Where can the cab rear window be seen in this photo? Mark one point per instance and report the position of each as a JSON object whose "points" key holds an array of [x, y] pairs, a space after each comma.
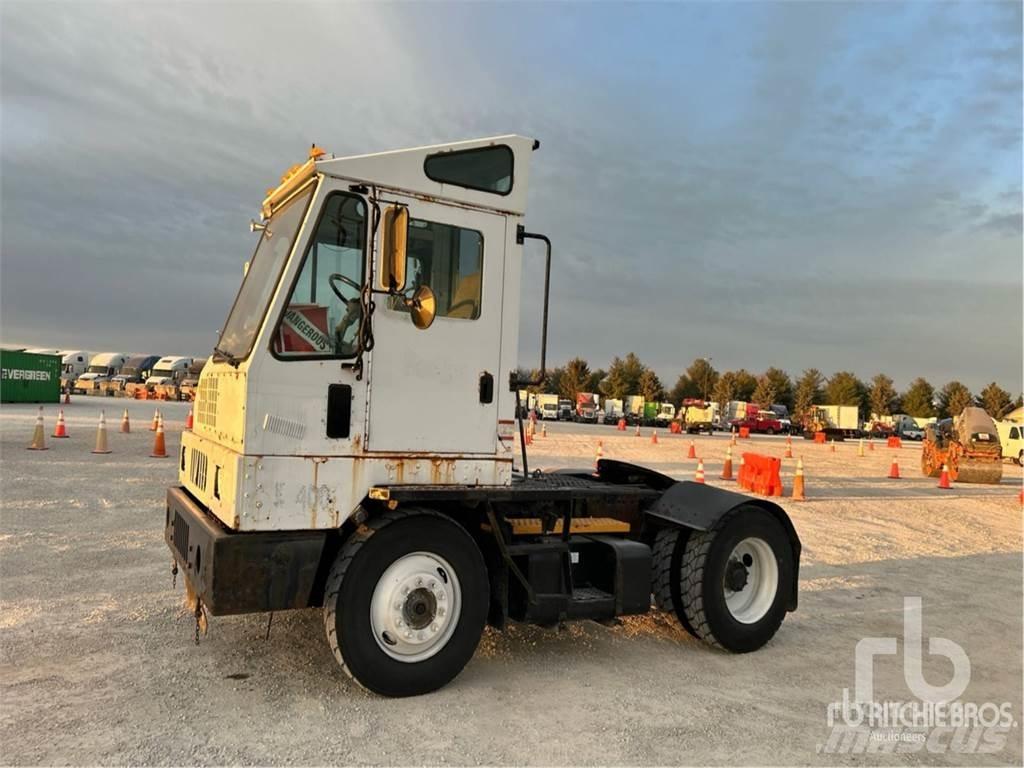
{"points": [[488, 169]]}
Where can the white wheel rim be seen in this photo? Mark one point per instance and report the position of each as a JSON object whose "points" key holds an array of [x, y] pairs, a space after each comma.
{"points": [[749, 603], [415, 607]]}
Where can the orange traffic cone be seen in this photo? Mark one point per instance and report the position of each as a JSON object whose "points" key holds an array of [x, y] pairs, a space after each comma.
{"points": [[833, 446], [789, 447], [38, 435], [860, 447], [734, 435], [944, 478], [692, 453], [126, 425], [188, 419], [727, 467], [61, 430], [894, 470], [654, 437], [621, 426], [699, 476], [638, 430], [101, 436], [67, 396], [156, 420], [543, 427], [160, 449], [798, 482], [871, 444]]}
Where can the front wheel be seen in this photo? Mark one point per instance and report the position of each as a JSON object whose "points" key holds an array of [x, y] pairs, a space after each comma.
{"points": [[406, 602], [735, 580]]}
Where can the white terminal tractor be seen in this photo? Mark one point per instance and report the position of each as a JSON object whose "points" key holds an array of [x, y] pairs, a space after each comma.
{"points": [[353, 446]]}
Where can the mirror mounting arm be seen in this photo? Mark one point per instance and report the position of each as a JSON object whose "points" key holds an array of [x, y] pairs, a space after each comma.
{"points": [[515, 382]]}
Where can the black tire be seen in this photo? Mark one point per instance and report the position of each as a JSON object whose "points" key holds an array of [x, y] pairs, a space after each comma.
{"points": [[769, 431], [347, 597], [702, 573], [667, 554]]}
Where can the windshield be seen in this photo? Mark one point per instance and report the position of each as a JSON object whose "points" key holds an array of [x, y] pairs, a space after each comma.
{"points": [[97, 369], [275, 243], [162, 372]]}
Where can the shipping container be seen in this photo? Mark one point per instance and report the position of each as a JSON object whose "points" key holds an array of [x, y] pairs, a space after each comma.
{"points": [[28, 378]]}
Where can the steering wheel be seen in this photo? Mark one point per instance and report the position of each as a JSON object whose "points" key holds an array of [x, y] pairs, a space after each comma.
{"points": [[345, 279], [353, 313]]}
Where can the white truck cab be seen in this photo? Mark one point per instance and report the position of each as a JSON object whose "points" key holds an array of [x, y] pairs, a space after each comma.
{"points": [[353, 441], [168, 370], [101, 368], [72, 365]]}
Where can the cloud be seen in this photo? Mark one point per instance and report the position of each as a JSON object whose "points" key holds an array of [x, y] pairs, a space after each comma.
{"points": [[704, 170]]}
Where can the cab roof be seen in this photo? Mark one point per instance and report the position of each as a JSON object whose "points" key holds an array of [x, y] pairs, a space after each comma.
{"points": [[404, 170]]}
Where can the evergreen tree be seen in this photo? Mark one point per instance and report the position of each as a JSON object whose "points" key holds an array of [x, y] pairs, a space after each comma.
{"points": [[953, 398], [650, 386], [995, 400], [918, 399], [882, 397], [808, 392]]}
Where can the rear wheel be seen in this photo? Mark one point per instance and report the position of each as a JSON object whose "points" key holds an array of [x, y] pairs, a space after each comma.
{"points": [[734, 580], [406, 602], [666, 557]]}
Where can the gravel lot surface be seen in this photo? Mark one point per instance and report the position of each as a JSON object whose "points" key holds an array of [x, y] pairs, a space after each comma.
{"points": [[98, 665]]}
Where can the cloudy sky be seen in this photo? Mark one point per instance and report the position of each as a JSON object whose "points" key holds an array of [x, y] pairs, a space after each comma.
{"points": [[821, 184]]}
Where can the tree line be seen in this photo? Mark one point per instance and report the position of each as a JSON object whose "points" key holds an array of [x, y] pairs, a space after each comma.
{"points": [[629, 376]]}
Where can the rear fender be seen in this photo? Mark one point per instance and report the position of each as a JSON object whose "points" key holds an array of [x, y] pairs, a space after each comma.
{"points": [[696, 506]]}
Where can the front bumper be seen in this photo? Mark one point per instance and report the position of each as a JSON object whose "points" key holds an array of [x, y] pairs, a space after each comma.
{"points": [[243, 572]]}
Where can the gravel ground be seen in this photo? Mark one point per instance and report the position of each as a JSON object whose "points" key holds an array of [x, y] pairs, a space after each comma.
{"points": [[98, 665]]}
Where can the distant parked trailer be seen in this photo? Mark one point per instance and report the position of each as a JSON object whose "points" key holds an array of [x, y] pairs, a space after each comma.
{"points": [[29, 378]]}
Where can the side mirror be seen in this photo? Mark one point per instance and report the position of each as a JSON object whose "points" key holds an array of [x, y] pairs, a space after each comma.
{"points": [[422, 307], [394, 236]]}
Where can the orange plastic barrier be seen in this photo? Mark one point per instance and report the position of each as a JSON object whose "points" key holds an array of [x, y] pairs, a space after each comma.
{"points": [[744, 431], [894, 442], [675, 428], [820, 437], [760, 474]]}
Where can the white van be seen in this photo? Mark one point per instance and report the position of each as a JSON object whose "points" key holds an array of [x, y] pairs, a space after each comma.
{"points": [[1011, 436], [102, 367]]}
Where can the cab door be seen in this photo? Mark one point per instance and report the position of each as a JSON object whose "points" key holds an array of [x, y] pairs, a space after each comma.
{"points": [[435, 390]]}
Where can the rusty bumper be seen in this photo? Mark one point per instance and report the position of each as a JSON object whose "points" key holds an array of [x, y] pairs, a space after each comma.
{"points": [[235, 572]]}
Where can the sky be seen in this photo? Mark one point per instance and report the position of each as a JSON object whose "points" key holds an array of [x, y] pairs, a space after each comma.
{"points": [[835, 185]]}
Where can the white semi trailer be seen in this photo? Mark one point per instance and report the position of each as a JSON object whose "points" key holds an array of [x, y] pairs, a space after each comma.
{"points": [[353, 441]]}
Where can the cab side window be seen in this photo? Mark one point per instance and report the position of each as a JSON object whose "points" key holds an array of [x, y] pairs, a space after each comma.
{"points": [[324, 311], [449, 260], [1014, 433]]}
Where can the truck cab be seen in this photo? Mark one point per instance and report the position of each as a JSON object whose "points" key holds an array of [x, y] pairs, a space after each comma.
{"points": [[72, 365], [353, 443], [135, 371], [190, 383], [101, 368]]}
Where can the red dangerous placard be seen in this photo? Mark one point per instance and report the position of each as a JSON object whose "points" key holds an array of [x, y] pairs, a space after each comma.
{"points": [[304, 331]]}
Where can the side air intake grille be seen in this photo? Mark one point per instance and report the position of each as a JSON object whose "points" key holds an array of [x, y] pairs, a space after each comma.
{"points": [[206, 402], [197, 471]]}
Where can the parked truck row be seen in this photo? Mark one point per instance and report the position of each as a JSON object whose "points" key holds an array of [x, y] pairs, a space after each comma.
{"points": [[117, 374]]}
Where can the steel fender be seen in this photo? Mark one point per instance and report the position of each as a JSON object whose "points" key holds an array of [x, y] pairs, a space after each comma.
{"points": [[624, 473], [698, 506]]}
